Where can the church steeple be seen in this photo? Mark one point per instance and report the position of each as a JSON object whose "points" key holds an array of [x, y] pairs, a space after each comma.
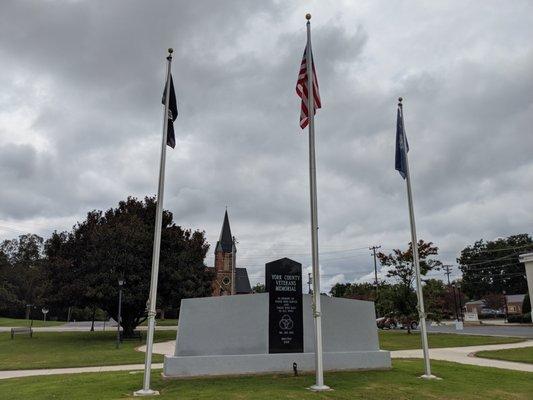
{"points": [[228, 278], [225, 241]]}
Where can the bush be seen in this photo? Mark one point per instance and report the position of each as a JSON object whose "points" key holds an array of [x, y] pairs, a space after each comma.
{"points": [[526, 305], [520, 318], [514, 318], [527, 318]]}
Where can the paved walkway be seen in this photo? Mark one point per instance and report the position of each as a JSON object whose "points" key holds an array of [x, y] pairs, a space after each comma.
{"points": [[462, 355], [61, 371], [164, 348], [465, 355]]}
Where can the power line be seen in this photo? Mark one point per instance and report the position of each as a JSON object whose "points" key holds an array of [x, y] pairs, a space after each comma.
{"points": [[489, 267], [501, 249], [273, 253]]}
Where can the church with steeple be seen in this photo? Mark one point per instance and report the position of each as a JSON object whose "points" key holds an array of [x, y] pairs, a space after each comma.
{"points": [[228, 278]]}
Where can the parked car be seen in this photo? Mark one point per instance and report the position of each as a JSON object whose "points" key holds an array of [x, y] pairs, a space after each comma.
{"points": [[488, 313], [404, 323], [386, 323], [391, 322]]}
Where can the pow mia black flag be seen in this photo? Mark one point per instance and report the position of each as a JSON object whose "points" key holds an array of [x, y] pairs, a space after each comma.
{"points": [[172, 113]]}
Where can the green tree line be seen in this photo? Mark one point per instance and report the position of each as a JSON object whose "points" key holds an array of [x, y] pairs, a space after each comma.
{"points": [[81, 268]]}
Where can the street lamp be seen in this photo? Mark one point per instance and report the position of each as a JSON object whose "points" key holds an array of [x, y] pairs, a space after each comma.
{"points": [[121, 283]]}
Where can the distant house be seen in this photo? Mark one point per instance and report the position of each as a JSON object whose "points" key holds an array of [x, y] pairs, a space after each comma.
{"points": [[514, 303], [475, 306]]}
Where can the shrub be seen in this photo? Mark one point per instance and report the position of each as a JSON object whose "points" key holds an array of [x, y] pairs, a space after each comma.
{"points": [[520, 318], [514, 318], [527, 318], [526, 305]]}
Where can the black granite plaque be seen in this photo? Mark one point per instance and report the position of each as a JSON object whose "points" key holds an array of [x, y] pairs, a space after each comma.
{"points": [[285, 317]]}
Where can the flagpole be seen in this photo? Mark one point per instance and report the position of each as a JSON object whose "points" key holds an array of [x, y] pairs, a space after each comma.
{"points": [[416, 261], [146, 391], [319, 369]]}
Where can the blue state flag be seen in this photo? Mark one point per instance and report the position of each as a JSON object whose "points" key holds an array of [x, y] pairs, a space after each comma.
{"points": [[402, 147]]}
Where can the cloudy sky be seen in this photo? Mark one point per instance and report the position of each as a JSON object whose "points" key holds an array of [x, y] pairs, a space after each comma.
{"points": [[81, 120]]}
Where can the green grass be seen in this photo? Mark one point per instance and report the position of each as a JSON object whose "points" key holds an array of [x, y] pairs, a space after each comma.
{"points": [[14, 322], [163, 322], [77, 349], [524, 355], [400, 340], [460, 382], [71, 349]]}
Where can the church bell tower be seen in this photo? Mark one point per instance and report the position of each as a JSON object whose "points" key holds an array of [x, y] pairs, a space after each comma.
{"points": [[225, 254]]}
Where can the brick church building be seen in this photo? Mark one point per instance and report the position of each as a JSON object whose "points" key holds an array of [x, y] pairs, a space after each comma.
{"points": [[226, 266]]}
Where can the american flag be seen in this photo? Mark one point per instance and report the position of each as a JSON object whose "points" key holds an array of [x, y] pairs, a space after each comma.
{"points": [[301, 90]]}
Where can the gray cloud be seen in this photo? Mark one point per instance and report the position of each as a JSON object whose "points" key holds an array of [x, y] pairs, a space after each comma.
{"points": [[80, 120]]}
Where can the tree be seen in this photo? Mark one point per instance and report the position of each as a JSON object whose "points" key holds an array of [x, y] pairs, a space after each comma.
{"points": [[339, 289], [495, 301], [21, 273], [386, 299], [400, 262], [259, 288], [8, 299], [441, 300], [493, 266], [401, 268], [359, 291], [86, 263]]}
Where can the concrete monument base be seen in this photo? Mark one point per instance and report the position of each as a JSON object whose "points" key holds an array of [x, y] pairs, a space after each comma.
{"points": [[229, 336], [264, 363]]}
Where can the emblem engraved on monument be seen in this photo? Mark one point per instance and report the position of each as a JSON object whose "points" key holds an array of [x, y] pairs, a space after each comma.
{"points": [[284, 285], [286, 322]]}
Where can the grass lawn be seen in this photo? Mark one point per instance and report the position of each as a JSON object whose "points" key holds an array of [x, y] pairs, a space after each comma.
{"points": [[460, 382], [400, 340], [524, 354], [77, 349], [13, 322], [71, 349]]}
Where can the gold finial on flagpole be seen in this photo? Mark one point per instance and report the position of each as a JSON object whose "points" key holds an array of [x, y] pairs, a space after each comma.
{"points": [[171, 50], [400, 99], [308, 16]]}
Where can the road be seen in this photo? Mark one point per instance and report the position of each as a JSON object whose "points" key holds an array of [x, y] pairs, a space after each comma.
{"points": [[85, 326], [487, 330]]}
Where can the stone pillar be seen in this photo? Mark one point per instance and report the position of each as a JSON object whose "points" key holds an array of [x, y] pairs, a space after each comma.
{"points": [[527, 259]]}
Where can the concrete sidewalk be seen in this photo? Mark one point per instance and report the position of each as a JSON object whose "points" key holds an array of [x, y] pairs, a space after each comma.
{"points": [[466, 355], [164, 348], [461, 355], [61, 371]]}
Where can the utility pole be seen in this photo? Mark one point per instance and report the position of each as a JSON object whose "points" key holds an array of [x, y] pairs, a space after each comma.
{"points": [[459, 295], [309, 282], [448, 269], [374, 248]]}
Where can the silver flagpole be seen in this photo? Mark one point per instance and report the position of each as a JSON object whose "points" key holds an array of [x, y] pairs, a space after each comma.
{"points": [[416, 262], [319, 385], [146, 391]]}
